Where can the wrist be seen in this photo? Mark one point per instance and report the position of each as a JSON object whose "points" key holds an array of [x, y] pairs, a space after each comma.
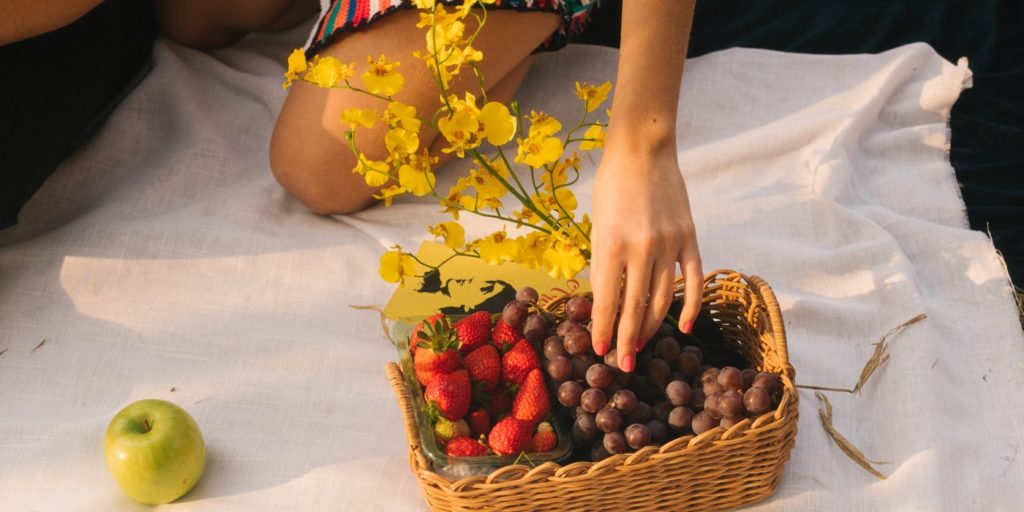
{"points": [[652, 136]]}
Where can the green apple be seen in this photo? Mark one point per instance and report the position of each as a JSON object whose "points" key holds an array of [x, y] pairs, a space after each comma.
{"points": [[155, 451]]}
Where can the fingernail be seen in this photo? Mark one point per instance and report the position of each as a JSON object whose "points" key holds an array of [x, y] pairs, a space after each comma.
{"points": [[687, 326], [628, 362], [601, 349]]}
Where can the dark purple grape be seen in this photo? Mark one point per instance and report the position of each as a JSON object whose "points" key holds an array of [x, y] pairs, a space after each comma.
{"points": [[612, 388], [642, 413], [599, 453], [515, 313], [580, 364], [709, 375], [611, 358], [568, 325], [702, 422], [728, 421], [578, 309], [608, 419], [712, 386], [667, 349], [624, 400], [577, 342], [768, 381], [659, 430], [657, 371], [697, 402], [553, 347], [688, 364], [569, 393], [624, 379], [535, 328], [585, 428], [679, 419], [730, 403], [661, 410], [748, 378], [678, 392], [614, 442], [757, 401], [695, 350], [638, 436], [665, 330], [527, 294], [711, 405], [592, 400], [730, 378], [600, 375], [643, 360], [559, 368]]}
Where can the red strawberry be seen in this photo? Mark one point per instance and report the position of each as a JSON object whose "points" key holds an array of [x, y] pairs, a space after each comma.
{"points": [[504, 336], [545, 439], [438, 352], [499, 402], [479, 422], [465, 447], [517, 362], [450, 393], [474, 330], [414, 338], [484, 366], [531, 403], [510, 436]]}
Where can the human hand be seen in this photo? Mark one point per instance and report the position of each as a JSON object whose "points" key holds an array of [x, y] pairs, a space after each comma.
{"points": [[643, 228]]}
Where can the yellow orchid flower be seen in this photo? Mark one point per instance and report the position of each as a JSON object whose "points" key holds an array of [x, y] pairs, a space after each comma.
{"points": [[542, 124], [592, 96], [382, 78], [396, 265], [328, 72], [296, 65], [595, 136], [532, 253], [400, 143], [418, 181], [400, 114], [499, 125], [453, 233], [538, 150], [389, 193], [563, 259], [460, 131], [375, 173], [358, 117], [498, 248]]}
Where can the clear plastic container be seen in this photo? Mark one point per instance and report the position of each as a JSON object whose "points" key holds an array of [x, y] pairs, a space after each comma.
{"points": [[455, 468]]}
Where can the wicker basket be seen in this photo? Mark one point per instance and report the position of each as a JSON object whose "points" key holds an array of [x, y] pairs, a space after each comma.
{"points": [[717, 470]]}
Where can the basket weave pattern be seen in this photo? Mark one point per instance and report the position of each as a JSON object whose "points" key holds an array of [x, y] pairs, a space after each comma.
{"points": [[717, 470]]}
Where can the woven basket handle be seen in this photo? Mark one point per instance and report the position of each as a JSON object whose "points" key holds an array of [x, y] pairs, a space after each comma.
{"points": [[405, 404], [771, 304]]}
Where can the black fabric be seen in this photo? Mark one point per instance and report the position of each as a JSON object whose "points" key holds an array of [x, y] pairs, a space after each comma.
{"points": [[987, 122], [57, 88]]}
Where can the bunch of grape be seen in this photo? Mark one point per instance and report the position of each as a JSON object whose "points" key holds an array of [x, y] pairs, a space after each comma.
{"points": [[674, 391]]}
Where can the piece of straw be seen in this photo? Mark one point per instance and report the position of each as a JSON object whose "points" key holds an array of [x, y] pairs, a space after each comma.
{"points": [[851, 451], [383, 319]]}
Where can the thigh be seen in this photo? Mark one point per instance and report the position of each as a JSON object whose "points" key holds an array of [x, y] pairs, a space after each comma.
{"points": [[308, 154]]}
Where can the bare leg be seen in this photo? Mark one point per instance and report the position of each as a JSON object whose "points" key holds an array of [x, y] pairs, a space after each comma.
{"points": [[307, 151], [209, 24]]}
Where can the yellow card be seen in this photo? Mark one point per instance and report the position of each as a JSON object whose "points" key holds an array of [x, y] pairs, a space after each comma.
{"points": [[464, 285]]}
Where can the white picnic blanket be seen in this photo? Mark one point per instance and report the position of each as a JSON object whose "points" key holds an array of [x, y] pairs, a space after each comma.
{"points": [[164, 261]]}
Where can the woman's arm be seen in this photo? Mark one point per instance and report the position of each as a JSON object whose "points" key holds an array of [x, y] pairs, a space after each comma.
{"points": [[22, 19], [642, 221]]}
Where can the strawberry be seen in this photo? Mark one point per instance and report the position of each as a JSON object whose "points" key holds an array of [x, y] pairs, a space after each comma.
{"points": [[504, 336], [446, 429], [479, 422], [510, 436], [517, 362], [450, 393], [465, 447], [545, 439], [414, 338], [474, 330], [438, 351], [531, 403], [484, 366], [499, 402]]}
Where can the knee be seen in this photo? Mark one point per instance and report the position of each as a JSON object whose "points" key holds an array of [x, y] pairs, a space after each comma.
{"points": [[319, 181]]}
